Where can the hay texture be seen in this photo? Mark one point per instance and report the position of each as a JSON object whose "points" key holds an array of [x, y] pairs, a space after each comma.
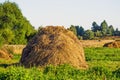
{"points": [[53, 45], [14, 49], [5, 55], [115, 44]]}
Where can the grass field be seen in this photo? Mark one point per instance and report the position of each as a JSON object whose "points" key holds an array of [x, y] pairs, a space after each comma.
{"points": [[104, 64]]}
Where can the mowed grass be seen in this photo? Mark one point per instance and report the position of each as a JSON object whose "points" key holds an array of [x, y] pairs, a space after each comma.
{"points": [[104, 63]]}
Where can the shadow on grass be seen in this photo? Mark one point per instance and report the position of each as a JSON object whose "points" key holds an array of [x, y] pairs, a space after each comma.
{"points": [[7, 65]]}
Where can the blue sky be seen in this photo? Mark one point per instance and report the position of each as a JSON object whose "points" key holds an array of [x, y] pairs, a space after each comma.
{"points": [[70, 12]]}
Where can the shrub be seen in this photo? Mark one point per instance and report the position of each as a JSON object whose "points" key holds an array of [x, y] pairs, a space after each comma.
{"points": [[117, 73]]}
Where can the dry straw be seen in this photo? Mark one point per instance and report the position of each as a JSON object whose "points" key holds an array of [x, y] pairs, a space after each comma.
{"points": [[54, 45], [115, 44]]}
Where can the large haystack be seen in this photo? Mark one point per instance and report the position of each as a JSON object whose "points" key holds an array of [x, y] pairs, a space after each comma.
{"points": [[53, 45], [115, 44]]}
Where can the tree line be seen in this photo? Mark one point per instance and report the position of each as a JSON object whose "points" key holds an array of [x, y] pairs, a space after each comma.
{"points": [[16, 29], [96, 31]]}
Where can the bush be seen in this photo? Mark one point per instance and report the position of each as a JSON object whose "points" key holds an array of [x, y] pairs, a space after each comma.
{"points": [[20, 73], [117, 73], [14, 27]]}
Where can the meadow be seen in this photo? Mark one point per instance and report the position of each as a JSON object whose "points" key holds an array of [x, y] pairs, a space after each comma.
{"points": [[104, 64]]}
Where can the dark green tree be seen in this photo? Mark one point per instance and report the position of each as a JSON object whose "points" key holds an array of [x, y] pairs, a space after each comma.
{"points": [[8, 35], [73, 29], [110, 31], [80, 30], [104, 28], [88, 35], [117, 32], [95, 27], [98, 34], [14, 27]]}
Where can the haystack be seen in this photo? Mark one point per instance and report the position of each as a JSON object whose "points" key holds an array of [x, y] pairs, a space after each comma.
{"points": [[115, 44], [5, 55], [53, 45], [14, 49]]}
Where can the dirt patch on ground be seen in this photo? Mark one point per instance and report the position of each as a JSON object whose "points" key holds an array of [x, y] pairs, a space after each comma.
{"points": [[115, 44], [56, 46]]}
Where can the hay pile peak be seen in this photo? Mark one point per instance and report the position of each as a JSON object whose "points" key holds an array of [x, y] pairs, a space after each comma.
{"points": [[53, 45]]}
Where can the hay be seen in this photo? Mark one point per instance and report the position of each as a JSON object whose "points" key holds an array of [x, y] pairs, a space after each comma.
{"points": [[5, 55], [14, 49], [94, 43], [5, 52], [56, 46], [115, 44]]}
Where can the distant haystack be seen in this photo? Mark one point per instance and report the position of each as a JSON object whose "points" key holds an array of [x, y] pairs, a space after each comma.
{"points": [[14, 49], [115, 44], [54, 45], [5, 55]]}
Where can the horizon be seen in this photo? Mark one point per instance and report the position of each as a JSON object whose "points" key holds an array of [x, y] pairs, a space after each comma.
{"points": [[72, 12]]}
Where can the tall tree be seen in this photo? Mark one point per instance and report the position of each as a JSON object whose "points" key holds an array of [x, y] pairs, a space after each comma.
{"points": [[73, 29], [104, 28], [88, 34], [98, 34], [110, 30], [14, 27], [80, 30], [95, 27], [117, 32]]}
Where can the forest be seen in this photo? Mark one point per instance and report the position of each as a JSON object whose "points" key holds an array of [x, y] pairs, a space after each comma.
{"points": [[96, 31]]}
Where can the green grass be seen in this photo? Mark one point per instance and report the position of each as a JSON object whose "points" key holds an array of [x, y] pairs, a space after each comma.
{"points": [[105, 57], [104, 63], [109, 54]]}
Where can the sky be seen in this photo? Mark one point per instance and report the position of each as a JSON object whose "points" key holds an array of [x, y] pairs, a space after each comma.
{"points": [[70, 12]]}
